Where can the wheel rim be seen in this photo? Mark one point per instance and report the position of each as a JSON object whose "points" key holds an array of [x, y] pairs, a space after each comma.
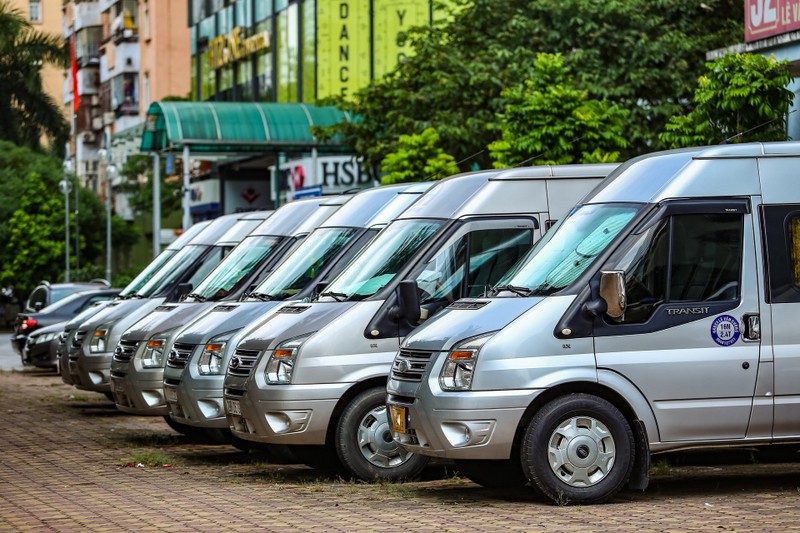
{"points": [[581, 451], [375, 440]]}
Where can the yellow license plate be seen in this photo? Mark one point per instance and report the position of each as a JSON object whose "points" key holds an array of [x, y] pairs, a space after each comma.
{"points": [[397, 418]]}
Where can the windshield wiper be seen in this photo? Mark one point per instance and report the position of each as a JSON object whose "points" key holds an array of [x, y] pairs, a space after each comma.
{"points": [[519, 291], [198, 297], [260, 296], [338, 296]]}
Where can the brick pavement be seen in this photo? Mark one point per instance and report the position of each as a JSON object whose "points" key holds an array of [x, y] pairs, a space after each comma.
{"points": [[62, 468]]}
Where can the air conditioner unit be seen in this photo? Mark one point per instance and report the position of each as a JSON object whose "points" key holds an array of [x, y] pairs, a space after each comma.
{"points": [[95, 100], [97, 123], [89, 137]]}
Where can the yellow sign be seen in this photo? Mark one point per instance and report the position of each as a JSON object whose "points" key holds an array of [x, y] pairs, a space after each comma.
{"points": [[343, 62], [392, 18], [225, 49]]}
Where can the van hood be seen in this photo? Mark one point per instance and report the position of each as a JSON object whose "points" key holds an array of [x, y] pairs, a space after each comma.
{"points": [[223, 318], [466, 318], [163, 318], [291, 321], [119, 309], [86, 314]]}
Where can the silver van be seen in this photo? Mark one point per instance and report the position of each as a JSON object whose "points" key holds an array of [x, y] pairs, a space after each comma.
{"points": [[65, 338], [95, 339], [137, 367], [659, 315], [314, 374], [195, 371]]}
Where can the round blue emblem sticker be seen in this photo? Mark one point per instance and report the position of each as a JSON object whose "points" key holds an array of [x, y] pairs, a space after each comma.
{"points": [[725, 330]]}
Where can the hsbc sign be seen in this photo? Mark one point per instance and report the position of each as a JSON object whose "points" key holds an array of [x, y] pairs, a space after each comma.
{"points": [[765, 18], [333, 173]]}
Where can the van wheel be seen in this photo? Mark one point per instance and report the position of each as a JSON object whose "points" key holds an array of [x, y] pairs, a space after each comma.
{"points": [[318, 457], [364, 442], [494, 474], [578, 449]]}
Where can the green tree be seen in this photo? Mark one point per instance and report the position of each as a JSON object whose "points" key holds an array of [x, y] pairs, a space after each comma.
{"points": [[27, 112], [418, 158], [549, 121], [741, 97], [640, 55], [138, 174], [32, 236]]}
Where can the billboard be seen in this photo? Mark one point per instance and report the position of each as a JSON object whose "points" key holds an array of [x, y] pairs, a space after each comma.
{"points": [[392, 18], [343, 47], [765, 18]]}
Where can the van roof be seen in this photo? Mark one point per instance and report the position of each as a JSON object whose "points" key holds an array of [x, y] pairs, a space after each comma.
{"points": [[370, 206], [725, 170]]}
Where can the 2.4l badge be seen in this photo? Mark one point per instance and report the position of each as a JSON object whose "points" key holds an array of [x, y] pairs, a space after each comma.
{"points": [[725, 330]]}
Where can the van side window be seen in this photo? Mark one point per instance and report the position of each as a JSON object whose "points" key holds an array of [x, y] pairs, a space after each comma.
{"points": [[780, 226], [687, 258]]}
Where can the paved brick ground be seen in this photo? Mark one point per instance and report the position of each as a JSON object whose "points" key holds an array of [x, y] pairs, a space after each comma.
{"points": [[62, 468]]}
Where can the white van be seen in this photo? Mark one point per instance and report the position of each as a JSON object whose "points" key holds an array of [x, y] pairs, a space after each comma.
{"points": [[313, 376], [659, 315]]}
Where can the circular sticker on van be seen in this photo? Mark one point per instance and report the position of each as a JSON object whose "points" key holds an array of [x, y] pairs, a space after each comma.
{"points": [[725, 330]]}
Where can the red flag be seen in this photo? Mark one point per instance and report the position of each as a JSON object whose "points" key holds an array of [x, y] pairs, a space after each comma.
{"points": [[76, 98]]}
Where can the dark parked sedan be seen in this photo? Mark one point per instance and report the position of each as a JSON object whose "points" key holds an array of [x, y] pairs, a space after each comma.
{"points": [[41, 346], [60, 311]]}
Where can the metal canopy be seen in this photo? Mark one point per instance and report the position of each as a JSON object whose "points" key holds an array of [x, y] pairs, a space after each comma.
{"points": [[238, 127]]}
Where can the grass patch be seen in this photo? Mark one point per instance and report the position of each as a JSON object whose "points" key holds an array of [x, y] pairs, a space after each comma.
{"points": [[661, 468], [148, 458]]}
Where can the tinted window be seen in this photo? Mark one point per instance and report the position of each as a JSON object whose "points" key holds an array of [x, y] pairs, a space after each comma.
{"points": [[781, 230]]}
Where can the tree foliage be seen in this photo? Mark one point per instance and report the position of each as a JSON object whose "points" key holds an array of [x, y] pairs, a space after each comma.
{"points": [[27, 112], [643, 56], [547, 120], [138, 174], [418, 158], [32, 236], [741, 97]]}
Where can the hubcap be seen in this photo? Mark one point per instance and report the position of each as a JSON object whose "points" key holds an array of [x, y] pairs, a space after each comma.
{"points": [[375, 440], [581, 451]]}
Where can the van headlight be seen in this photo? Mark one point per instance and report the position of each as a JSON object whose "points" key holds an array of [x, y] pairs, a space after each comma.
{"points": [[210, 360], [281, 363], [153, 354], [456, 374], [99, 340]]}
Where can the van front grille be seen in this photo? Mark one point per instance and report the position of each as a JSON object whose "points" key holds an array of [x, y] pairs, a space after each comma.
{"points": [[179, 355], [124, 351], [410, 365], [243, 362]]}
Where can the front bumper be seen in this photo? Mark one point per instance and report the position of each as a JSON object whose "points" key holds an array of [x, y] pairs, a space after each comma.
{"points": [[91, 372], [283, 414], [140, 392], [38, 355], [196, 401]]}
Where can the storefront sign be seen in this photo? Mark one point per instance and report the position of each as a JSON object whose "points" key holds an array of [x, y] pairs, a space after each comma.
{"points": [[225, 49], [394, 17], [343, 56], [765, 18], [334, 174]]}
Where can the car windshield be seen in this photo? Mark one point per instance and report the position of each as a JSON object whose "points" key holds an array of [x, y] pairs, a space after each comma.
{"points": [[382, 259], [146, 274], [304, 264], [568, 249], [172, 270], [229, 275]]}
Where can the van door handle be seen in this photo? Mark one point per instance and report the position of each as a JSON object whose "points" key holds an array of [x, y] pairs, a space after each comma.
{"points": [[752, 327]]}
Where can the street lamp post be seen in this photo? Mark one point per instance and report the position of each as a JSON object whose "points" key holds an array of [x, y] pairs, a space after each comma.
{"points": [[111, 170], [66, 187]]}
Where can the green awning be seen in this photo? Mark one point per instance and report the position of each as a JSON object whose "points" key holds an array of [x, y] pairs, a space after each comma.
{"points": [[238, 127]]}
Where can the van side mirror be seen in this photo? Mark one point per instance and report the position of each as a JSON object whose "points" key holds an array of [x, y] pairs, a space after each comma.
{"points": [[183, 290], [612, 292], [321, 286], [408, 300]]}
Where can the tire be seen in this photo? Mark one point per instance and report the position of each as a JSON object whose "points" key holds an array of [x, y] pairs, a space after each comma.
{"points": [[364, 444], [503, 474], [319, 458], [578, 449]]}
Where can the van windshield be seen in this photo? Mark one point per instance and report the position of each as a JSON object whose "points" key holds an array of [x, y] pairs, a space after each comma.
{"points": [[172, 270], [567, 250], [304, 264], [146, 274], [231, 273], [382, 259]]}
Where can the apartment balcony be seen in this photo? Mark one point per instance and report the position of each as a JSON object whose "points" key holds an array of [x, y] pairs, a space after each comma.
{"points": [[86, 14], [122, 58]]}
